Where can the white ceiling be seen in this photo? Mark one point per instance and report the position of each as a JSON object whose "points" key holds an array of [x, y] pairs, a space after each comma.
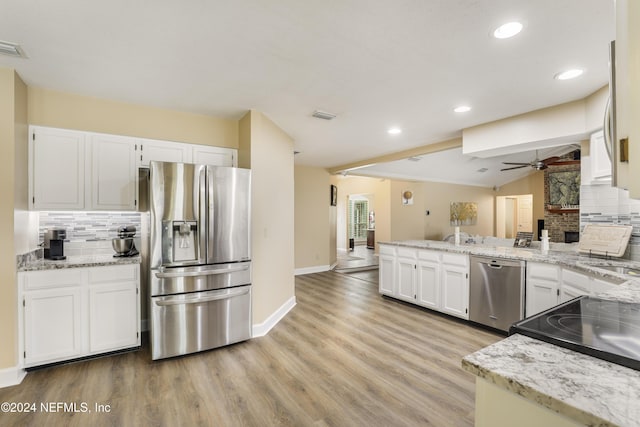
{"points": [[375, 64]]}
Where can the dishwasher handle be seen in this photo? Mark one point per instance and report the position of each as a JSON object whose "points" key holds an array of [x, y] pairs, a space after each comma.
{"points": [[493, 265], [198, 300]]}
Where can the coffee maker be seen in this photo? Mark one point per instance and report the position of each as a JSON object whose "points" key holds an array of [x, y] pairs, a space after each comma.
{"points": [[54, 244]]}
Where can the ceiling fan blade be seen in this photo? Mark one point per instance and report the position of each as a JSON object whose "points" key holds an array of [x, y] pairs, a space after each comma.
{"points": [[519, 163], [515, 167], [550, 160]]}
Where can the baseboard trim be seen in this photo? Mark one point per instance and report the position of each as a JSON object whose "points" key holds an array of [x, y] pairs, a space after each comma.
{"points": [[11, 376], [310, 270], [262, 329]]}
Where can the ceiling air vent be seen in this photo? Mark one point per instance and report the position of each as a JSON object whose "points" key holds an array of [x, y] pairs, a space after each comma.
{"points": [[482, 170], [323, 115], [414, 158], [11, 49]]}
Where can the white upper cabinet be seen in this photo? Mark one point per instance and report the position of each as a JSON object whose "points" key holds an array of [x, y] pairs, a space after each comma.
{"points": [[162, 151], [74, 170], [113, 173], [56, 169], [217, 156], [166, 151], [627, 63]]}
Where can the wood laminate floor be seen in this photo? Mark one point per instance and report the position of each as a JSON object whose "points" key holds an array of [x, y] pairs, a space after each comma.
{"points": [[344, 356]]}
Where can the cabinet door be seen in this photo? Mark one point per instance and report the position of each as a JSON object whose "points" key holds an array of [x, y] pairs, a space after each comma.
{"points": [[406, 279], [113, 316], [387, 274], [600, 162], [56, 169], [216, 156], [429, 284], [162, 151], [113, 172], [455, 291], [568, 292], [52, 322], [541, 295]]}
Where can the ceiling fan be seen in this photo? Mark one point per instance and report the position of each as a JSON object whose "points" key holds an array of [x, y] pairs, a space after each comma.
{"points": [[537, 164]]}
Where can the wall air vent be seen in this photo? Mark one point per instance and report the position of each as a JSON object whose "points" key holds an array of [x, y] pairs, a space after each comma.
{"points": [[323, 115], [11, 49]]}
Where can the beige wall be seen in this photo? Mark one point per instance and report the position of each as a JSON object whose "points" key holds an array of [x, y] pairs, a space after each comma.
{"points": [[530, 184], [352, 185], [70, 111], [438, 198], [312, 217], [12, 193], [272, 222], [407, 220]]}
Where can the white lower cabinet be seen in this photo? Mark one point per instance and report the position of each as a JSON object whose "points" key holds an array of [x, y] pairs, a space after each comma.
{"points": [[387, 270], [455, 285], [72, 313], [52, 325], [549, 285], [406, 266], [431, 279], [428, 279], [542, 287]]}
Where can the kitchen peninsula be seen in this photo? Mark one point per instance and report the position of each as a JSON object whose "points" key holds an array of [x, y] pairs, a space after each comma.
{"points": [[527, 382]]}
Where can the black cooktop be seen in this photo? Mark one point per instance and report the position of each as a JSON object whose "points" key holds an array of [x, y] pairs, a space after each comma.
{"points": [[608, 330]]}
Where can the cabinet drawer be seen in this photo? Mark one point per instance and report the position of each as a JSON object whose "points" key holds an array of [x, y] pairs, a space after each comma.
{"points": [[455, 259], [118, 273], [387, 250], [429, 256], [407, 252], [52, 278], [543, 271]]}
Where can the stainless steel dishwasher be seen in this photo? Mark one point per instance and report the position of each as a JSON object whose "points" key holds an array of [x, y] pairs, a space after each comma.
{"points": [[496, 291]]}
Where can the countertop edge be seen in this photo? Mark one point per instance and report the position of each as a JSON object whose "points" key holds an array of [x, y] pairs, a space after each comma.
{"points": [[78, 262], [531, 394]]}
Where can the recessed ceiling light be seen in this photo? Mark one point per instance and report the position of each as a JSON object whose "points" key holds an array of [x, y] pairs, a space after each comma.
{"points": [[569, 74], [394, 131], [507, 30], [462, 109]]}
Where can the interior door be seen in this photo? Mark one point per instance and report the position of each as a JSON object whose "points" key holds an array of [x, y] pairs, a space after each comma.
{"points": [[525, 213]]}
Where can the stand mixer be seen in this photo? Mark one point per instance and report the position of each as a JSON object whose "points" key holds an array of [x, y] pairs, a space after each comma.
{"points": [[123, 244]]}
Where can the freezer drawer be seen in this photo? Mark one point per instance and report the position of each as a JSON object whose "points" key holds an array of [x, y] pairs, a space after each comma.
{"points": [[187, 323], [178, 280]]}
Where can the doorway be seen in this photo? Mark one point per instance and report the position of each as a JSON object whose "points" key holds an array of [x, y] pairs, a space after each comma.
{"points": [[513, 214]]}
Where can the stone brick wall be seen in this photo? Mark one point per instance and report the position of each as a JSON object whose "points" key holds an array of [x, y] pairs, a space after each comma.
{"points": [[559, 222]]}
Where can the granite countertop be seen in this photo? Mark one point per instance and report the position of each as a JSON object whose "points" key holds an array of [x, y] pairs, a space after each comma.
{"points": [[77, 261], [586, 389], [566, 258]]}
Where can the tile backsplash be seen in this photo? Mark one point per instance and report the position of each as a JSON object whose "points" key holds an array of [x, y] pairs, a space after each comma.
{"points": [[604, 204], [88, 226]]}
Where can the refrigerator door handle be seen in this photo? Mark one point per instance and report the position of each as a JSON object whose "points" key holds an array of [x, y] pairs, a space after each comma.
{"points": [[201, 273], [198, 300]]}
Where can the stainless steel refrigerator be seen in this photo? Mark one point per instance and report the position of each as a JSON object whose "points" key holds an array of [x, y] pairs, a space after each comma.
{"points": [[200, 257]]}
